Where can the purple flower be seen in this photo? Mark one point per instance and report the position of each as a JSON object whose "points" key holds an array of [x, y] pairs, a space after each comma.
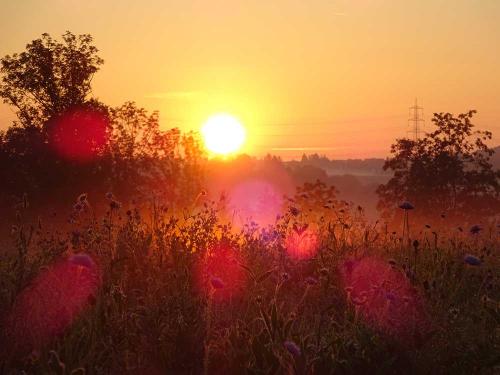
{"points": [[292, 348], [390, 296], [475, 229], [472, 260], [82, 260], [217, 283], [311, 280], [406, 206]]}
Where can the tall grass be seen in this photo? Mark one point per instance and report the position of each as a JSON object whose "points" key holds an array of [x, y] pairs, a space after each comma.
{"points": [[267, 312]]}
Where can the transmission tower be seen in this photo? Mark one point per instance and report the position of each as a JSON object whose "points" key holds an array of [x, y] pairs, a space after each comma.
{"points": [[416, 120]]}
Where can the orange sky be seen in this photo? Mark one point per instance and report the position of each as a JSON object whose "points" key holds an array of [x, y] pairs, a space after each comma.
{"points": [[329, 76]]}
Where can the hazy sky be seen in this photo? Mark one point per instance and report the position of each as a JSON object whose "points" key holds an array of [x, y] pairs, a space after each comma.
{"points": [[329, 76]]}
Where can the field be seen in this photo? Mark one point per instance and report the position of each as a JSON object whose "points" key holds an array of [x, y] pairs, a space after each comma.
{"points": [[142, 289]]}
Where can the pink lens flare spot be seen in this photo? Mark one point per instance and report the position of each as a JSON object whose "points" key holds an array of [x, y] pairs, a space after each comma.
{"points": [[256, 200], [219, 273], [302, 243], [79, 135], [52, 301], [386, 300]]}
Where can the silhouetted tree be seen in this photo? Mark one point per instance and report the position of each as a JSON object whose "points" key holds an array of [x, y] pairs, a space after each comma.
{"points": [[49, 78], [446, 173], [65, 142]]}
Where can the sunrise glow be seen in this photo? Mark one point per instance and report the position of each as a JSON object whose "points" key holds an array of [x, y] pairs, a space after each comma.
{"points": [[223, 134]]}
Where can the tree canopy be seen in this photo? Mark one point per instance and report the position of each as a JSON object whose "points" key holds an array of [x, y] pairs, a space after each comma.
{"points": [[447, 173]]}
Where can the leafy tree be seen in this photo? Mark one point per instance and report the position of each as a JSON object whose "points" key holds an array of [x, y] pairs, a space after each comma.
{"points": [[445, 174], [65, 142], [49, 77]]}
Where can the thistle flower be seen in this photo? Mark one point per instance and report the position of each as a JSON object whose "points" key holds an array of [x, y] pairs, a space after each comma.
{"points": [[82, 260], [472, 260], [406, 206], [216, 283], [390, 296], [82, 198], [475, 229], [311, 280], [292, 348], [115, 205]]}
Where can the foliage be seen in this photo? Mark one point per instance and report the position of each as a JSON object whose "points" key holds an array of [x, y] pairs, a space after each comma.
{"points": [[49, 77], [288, 316], [447, 171], [49, 84]]}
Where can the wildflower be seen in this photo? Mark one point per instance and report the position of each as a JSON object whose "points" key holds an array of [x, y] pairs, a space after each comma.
{"points": [[324, 271], [78, 207], [361, 300], [472, 260], [406, 206], [292, 348], [427, 226], [294, 211], [109, 195], [311, 281], [82, 260], [390, 296], [82, 198], [475, 229], [115, 205], [217, 283], [285, 276], [392, 262]]}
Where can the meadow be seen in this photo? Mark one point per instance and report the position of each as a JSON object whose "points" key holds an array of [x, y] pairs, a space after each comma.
{"points": [[320, 290], [130, 247]]}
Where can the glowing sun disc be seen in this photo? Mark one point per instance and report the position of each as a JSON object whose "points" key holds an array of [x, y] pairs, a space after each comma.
{"points": [[223, 134]]}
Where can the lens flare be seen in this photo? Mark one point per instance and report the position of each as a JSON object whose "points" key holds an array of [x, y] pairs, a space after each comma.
{"points": [[301, 243], [256, 200], [219, 273], [79, 135], [386, 300], [54, 299]]}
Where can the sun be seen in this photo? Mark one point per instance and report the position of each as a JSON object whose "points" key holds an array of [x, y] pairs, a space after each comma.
{"points": [[223, 134]]}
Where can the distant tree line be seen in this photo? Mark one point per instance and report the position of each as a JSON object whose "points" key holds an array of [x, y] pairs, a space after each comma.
{"points": [[65, 141]]}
